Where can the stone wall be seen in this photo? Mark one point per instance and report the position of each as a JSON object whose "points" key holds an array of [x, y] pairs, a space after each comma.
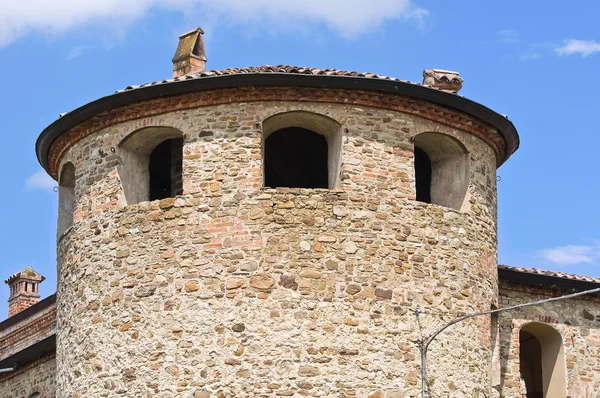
{"points": [[38, 377], [577, 321], [235, 290]]}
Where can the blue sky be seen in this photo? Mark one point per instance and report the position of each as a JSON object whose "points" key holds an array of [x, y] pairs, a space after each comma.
{"points": [[537, 64]]}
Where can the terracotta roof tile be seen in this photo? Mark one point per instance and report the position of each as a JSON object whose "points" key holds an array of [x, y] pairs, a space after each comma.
{"points": [[555, 274], [295, 70]]}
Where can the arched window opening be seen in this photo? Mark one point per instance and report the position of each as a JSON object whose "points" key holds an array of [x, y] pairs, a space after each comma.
{"points": [[542, 362], [301, 150], [296, 158], [165, 169], [35, 395], [151, 164], [441, 170], [66, 198], [422, 175]]}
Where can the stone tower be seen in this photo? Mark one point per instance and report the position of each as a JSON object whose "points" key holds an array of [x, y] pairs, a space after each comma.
{"points": [[273, 231], [24, 290]]}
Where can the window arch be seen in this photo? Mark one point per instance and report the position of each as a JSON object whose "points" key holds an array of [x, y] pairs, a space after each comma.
{"points": [[151, 164], [301, 150], [66, 197], [542, 361], [441, 165], [35, 395]]}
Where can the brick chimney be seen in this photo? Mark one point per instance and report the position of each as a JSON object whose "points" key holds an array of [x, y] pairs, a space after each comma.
{"points": [[190, 55], [446, 80], [24, 290]]}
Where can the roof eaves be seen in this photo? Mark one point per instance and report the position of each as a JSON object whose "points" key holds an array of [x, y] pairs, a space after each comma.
{"points": [[352, 80], [43, 304]]}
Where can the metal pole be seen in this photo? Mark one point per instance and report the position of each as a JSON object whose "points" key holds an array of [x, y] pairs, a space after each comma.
{"points": [[7, 370], [425, 343]]}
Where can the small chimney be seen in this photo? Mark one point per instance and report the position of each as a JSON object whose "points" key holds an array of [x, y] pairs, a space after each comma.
{"points": [[446, 80], [190, 55], [24, 290]]}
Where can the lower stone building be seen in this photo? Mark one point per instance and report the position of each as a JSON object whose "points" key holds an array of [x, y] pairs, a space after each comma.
{"points": [[28, 340], [549, 350]]}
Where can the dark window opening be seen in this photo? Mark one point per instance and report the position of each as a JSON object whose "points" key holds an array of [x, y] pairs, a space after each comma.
{"points": [[166, 169], [296, 158], [422, 175], [530, 358]]}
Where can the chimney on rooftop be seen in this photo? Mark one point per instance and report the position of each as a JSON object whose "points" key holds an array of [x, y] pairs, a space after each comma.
{"points": [[24, 290], [446, 80], [190, 55]]}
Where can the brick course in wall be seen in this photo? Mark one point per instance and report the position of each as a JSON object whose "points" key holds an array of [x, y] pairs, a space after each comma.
{"points": [[395, 103], [31, 331]]}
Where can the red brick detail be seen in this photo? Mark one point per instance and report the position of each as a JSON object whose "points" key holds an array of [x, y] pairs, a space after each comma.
{"points": [[157, 106], [28, 334], [21, 303]]}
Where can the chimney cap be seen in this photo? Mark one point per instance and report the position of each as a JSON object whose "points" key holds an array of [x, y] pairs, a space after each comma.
{"points": [[442, 79], [193, 31], [28, 273], [190, 45]]}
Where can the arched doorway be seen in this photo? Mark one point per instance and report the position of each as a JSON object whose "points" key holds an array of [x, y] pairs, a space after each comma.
{"points": [[542, 362]]}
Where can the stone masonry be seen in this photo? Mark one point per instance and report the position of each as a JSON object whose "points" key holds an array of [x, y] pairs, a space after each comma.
{"points": [[37, 378], [236, 290]]}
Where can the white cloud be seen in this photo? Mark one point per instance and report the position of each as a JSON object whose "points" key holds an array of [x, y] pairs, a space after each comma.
{"points": [[348, 18], [76, 52], [40, 180], [572, 254], [583, 47]]}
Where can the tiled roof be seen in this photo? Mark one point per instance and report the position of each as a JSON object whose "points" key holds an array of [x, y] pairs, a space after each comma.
{"points": [[294, 70], [555, 274]]}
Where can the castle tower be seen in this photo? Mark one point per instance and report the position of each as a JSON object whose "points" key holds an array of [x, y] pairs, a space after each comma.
{"points": [[273, 231], [24, 290]]}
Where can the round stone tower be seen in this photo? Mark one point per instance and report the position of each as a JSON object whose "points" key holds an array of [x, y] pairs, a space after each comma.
{"points": [[273, 231]]}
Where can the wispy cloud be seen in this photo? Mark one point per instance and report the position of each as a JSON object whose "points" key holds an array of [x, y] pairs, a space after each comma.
{"points": [[19, 18], [40, 180], [582, 47], [77, 52], [519, 48], [572, 254], [530, 56], [508, 36]]}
